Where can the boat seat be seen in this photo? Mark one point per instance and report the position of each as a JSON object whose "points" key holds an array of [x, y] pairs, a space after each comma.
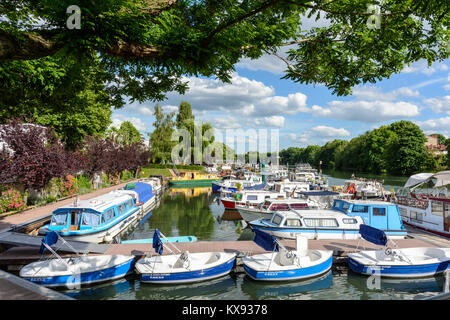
{"points": [[57, 265], [183, 261], [284, 258], [215, 257]]}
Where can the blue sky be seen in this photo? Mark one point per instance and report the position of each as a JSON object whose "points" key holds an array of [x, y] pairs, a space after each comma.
{"points": [[305, 114]]}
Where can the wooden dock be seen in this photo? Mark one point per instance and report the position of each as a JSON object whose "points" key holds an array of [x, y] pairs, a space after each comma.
{"points": [[15, 288]]}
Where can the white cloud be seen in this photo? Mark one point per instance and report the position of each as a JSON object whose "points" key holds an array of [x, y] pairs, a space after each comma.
{"points": [[118, 119], [439, 105], [326, 131], [438, 125], [365, 111], [421, 66], [273, 121], [318, 134], [376, 93], [249, 101]]}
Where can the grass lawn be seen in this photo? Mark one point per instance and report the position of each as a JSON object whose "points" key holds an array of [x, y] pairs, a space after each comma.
{"points": [[146, 172]]}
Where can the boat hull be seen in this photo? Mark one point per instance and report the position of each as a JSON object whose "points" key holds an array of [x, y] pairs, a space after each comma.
{"points": [[319, 233], [86, 278], [189, 276], [218, 188], [404, 271], [288, 275]]}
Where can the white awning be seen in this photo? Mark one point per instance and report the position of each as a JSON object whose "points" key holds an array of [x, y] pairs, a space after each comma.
{"points": [[418, 178], [441, 179]]}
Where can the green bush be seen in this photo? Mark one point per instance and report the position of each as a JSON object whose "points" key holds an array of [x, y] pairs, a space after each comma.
{"points": [[84, 183]]}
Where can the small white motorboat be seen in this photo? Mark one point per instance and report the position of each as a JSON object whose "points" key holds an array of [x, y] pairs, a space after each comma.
{"points": [[285, 265], [397, 263], [75, 271], [184, 267]]}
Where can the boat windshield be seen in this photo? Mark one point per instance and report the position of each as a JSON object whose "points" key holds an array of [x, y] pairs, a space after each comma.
{"points": [[59, 219], [91, 219]]}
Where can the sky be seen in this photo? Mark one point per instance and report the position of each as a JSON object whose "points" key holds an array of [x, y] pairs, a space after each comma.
{"points": [[304, 115]]}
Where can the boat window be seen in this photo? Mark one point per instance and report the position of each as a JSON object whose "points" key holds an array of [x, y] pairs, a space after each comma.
{"points": [[280, 207], [403, 212], [130, 204], [321, 222], [379, 211], [359, 208], [266, 204], [293, 223], [296, 206], [252, 197], [349, 221], [59, 219], [109, 214], [437, 208], [122, 208], [91, 219], [277, 219], [345, 205], [416, 216]]}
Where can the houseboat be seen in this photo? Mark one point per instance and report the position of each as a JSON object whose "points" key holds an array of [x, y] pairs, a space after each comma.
{"points": [[193, 178], [101, 219], [269, 207], [248, 197], [342, 221], [232, 184], [429, 211]]}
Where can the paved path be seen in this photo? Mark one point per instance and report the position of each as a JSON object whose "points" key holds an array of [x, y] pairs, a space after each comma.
{"points": [[39, 212]]}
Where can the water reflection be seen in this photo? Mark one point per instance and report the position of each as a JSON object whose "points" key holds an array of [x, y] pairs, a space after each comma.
{"points": [[201, 290], [118, 289], [257, 290]]}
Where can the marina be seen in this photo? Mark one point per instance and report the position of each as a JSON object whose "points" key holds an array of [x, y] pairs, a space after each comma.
{"points": [[204, 226]]}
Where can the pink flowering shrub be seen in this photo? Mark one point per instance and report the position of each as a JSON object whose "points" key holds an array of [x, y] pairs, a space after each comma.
{"points": [[11, 200], [69, 186], [114, 179]]}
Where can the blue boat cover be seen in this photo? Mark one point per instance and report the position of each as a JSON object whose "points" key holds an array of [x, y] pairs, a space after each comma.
{"points": [[50, 239], [373, 235], [318, 193], [157, 243], [144, 191], [265, 240]]}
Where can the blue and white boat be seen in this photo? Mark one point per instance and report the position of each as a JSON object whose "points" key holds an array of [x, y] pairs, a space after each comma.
{"points": [[284, 265], [76, 271], [397, 263], [342, 221], [101, 219], [184, 267]]}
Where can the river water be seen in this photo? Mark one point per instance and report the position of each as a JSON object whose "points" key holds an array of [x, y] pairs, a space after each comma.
{"points": [[196, 211]]}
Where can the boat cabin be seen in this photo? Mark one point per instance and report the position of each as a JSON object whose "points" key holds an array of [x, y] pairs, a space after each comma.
{"points": [[378, 214], [96, 213]]}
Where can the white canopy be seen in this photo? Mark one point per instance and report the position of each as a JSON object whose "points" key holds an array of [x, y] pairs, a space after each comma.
{"points": [[416, 179], [439, 179], [442, 179]]}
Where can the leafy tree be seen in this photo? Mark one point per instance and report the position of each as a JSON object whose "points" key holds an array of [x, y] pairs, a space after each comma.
{"points": [[146, 46], [127, 134], [407, 152], [184, 115], [56, 92], [160, 139], [31, 155]]}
